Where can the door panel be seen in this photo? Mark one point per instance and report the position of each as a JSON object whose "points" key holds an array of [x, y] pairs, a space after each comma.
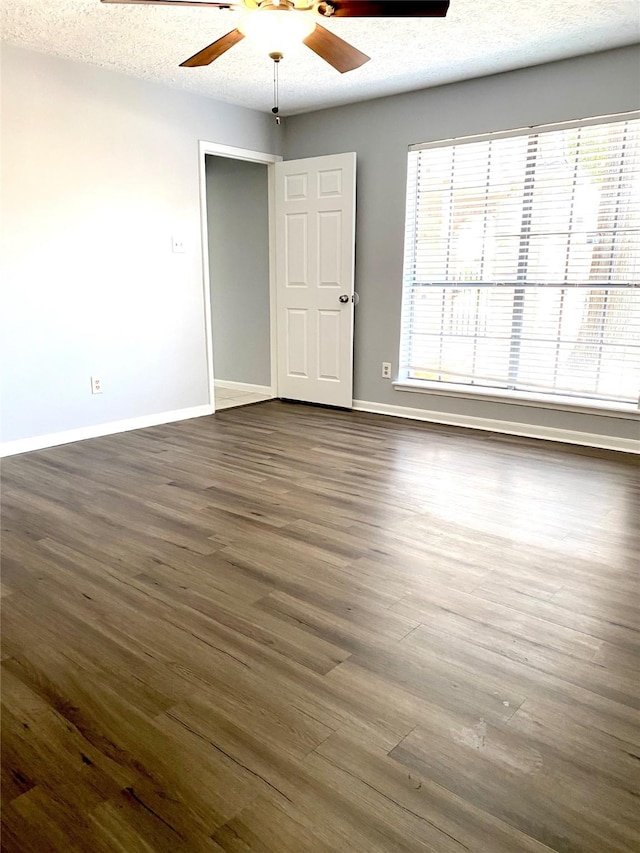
{"points": [[296, 226], [296, 186], [329, 183], [329, 345], [315, 235], [297, 343], [329, 248]]}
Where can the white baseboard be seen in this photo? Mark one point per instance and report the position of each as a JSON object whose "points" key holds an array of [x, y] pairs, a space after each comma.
{"points": [[243, 386], [566, 436], [586, 439], [39, 442]]}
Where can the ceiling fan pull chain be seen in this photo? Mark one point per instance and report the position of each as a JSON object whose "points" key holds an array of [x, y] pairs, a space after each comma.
{"points": [[276, 62]]}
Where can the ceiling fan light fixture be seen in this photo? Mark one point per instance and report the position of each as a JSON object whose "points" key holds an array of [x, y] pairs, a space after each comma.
{"points": [[277, 28]]}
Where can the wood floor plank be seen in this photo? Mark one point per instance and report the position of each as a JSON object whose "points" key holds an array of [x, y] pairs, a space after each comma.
{"points": [[519, 678], [191, 793], [448, 821], [591, 676], [445, 606], [578, 736], [345, 630], [601, 626], [481, 762], [285, 629], [264, 826]]}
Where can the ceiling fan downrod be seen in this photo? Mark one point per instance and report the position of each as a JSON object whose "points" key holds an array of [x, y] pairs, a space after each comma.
{"points": [[276, 64]]}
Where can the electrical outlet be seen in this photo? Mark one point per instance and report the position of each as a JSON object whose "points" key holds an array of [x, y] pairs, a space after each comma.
{"points": [[177, 245], [96, 385], [386, 370]]}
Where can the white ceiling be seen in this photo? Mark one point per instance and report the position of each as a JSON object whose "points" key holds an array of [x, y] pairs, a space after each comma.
{"points": [[477, 37]]}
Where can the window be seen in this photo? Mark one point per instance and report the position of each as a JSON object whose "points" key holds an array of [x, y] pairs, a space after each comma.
{"points": [[522, 262]]}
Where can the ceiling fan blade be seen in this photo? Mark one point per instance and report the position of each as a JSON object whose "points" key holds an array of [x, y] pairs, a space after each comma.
{"points": [[388, 8], [213, 51], [228, 5], [334, 50]]}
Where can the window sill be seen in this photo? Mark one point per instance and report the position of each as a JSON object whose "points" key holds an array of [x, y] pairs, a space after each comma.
{"points": [[519, 398]]}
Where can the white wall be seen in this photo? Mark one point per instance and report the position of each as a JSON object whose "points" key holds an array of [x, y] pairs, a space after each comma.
{"points": [[380, 132], [99, 170]]}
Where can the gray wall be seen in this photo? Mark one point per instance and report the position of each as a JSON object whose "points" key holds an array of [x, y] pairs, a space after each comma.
{"points": [[380, 132], [99, 171], [238, 222]]}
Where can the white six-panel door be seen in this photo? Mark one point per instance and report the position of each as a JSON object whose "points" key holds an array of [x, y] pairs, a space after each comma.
{"points": [[315, 250]]}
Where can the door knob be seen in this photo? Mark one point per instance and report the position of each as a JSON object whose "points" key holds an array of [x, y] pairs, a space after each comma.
{"points": [[344, 298]]}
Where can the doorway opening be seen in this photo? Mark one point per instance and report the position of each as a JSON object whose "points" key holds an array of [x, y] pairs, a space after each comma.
{"points": [[236, 208]]}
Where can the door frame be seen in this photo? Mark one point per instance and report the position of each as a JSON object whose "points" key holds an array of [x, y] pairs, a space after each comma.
{"points": [[249, 156]]}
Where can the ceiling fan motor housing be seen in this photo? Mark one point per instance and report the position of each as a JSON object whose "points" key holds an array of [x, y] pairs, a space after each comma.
{"points": [[318, 7]]}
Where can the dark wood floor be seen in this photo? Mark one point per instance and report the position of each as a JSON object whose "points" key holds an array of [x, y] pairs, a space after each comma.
{"points": [[293, 630]]}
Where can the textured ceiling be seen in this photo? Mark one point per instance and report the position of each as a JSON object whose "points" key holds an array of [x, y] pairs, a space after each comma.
{"points": [[477, 37]]}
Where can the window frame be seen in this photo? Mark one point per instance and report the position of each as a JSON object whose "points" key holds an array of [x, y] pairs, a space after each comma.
{"points": [[544, 399]]}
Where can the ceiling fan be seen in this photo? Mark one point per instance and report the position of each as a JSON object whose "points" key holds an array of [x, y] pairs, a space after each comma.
{"points": [[271, 20]]}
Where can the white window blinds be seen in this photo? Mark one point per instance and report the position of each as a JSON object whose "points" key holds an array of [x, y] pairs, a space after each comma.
{"points": [[522, 262]]}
